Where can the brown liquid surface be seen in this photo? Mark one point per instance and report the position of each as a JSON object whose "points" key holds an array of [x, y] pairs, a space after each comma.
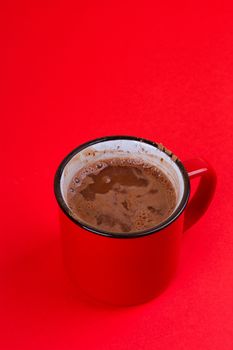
{"points": [[121, 195]]}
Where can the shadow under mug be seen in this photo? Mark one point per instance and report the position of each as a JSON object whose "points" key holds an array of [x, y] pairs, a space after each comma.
{"points": [[130, 268]]}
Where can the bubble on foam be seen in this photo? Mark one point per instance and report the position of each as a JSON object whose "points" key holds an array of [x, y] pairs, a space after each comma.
{"points": [[90, 205], [77, 180], [99, 165], [143, 214], [106, 179], [93, 169], [139, 225]]}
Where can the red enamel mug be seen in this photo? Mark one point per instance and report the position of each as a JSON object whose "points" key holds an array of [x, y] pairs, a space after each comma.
{"points": [[130, 268]]}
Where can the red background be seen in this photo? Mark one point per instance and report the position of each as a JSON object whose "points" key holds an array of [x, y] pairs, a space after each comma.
{"points": [[70, 73]]}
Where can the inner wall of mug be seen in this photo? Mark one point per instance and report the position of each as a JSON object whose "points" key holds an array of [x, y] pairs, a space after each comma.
{"points": [[123, 149]]}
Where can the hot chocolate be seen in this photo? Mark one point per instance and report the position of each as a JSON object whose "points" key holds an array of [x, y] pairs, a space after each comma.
{"points": [[121, 195]]}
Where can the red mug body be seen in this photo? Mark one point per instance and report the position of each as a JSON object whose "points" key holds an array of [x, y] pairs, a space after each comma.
{"points": [[123, 269]]}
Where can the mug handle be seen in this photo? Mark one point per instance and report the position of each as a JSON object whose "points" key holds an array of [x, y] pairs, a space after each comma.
{"points": [[204, 194]]}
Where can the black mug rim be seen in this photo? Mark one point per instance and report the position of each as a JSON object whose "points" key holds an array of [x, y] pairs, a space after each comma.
{"points": [[158, 228]]}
